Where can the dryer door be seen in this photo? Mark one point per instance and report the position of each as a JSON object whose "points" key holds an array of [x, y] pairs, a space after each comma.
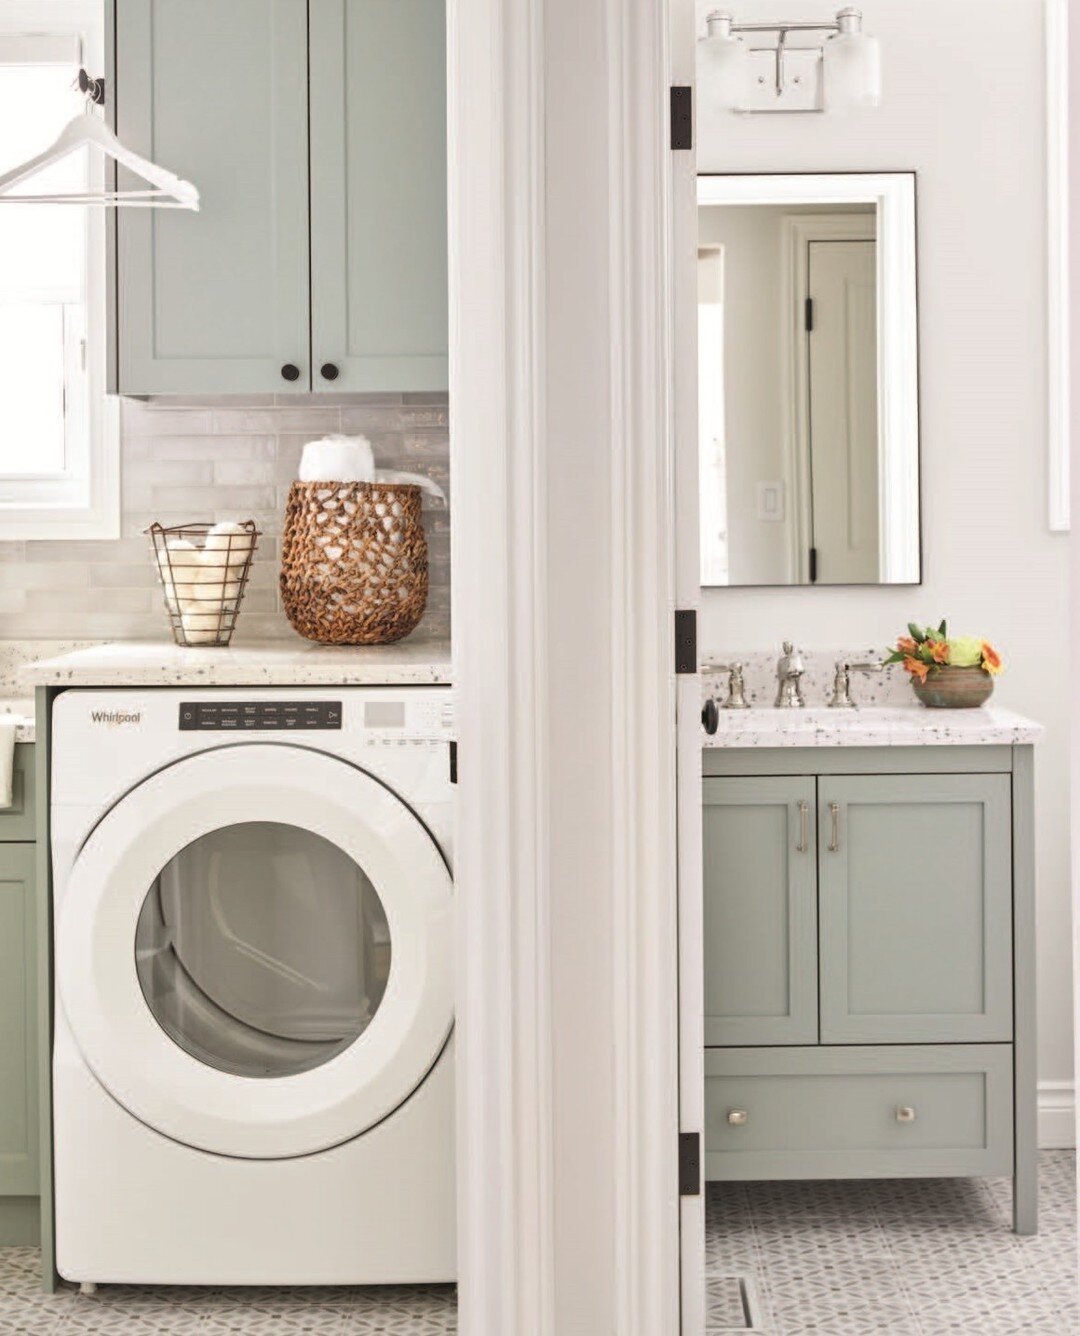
{"points": [[254, 951]]}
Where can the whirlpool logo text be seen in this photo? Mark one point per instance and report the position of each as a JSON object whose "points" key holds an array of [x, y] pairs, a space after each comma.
{"points": [[115, 718]]}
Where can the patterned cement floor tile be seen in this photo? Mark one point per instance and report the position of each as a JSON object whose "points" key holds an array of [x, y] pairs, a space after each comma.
{"points": [[906, 1257], [131, 1310]]}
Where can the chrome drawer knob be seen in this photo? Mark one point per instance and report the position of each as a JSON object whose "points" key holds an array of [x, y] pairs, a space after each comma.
{"points": [[905, 1113], [738, 1117]]}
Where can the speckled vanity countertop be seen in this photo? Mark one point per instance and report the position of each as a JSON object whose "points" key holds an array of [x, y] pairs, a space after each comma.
{"points": [[268, 663], [872, 726]]}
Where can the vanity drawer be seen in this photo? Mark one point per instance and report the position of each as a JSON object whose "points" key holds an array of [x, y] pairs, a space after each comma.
{"points": [[882, 1112], [17, 821]]}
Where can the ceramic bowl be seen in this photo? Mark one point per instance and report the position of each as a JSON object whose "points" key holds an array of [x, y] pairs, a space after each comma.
{"points": [[948, 688]]}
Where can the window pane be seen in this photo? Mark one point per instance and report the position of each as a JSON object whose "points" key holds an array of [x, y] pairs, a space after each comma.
{"points": [[31, 388], [42, 246]]}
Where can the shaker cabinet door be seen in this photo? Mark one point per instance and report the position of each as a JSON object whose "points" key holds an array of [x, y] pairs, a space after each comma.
{"points": [[378, 195], [215, 301], [916, 908], [760, 911], [18, 1024]]}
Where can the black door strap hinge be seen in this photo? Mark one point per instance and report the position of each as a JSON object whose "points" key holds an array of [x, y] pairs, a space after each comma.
{"points": [[682, 116], [689, 1164], [686, 641], [453, 762]]}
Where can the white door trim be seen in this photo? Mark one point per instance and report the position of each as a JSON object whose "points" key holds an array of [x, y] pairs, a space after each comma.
{"points": [[501, 298], [644, 844], [496, 270], [1057, 260]]}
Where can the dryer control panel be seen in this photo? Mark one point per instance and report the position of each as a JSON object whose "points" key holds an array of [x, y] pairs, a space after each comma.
{"points": [[239, 716]]}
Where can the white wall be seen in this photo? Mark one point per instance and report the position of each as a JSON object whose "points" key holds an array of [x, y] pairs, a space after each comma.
{"points": [[964, 107]]}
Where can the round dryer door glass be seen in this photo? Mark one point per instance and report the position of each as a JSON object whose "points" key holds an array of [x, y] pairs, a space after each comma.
{"points": [[262, 949]]}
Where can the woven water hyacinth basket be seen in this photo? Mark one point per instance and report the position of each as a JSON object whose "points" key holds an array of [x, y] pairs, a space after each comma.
{"points": [[354, 562]]}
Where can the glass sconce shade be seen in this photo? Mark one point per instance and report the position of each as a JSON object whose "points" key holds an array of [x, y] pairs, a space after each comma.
{"points": [[852, 71]]}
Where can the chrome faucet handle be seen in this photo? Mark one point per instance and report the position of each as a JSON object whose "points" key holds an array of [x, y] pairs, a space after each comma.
{"points": [[789, 670], [841, 697], [736, 697]]}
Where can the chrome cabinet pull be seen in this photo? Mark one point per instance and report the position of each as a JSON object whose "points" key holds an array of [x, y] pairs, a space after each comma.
{"points": [[834, 837], [905, 1113], [738, 1117], [804, 828]]}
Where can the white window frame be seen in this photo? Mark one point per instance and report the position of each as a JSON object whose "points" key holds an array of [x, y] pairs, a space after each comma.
{"points": [[87, 503]]}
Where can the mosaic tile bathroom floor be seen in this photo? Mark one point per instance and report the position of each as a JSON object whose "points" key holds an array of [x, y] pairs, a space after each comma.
{"points": [[906, 1257], [915, 1257], [128, 1310]]}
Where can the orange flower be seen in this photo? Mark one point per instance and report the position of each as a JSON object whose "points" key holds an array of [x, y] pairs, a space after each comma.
{"points": [[917, 668], [991, 659], [939, 650], [906, 645]]}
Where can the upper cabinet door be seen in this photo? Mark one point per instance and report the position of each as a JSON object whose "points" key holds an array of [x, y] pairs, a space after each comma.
{"points": [[215, 301], [378, 195], [760, 911], [915, 908]]}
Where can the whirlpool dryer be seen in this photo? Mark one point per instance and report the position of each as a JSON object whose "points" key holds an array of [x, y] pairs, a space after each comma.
{"points": [[253, 1055]]}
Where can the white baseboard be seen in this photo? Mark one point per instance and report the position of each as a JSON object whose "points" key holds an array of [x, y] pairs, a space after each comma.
{"points": [[1057, 1115]]}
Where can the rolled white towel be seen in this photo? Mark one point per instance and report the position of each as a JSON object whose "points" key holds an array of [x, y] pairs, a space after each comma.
{"points": [[412, 480], [227, 543], [204, 626], [7, 761], [338, 459]]}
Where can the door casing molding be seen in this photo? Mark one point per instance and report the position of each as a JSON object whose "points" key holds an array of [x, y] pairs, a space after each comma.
{"points": [[504, 73]]}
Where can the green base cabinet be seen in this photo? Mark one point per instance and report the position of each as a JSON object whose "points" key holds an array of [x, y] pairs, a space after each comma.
{"points": [[869, 982], [19, 1165], [315, 132]]}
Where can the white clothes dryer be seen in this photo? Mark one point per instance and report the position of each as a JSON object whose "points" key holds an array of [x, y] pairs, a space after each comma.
{"points": [[254, 996]]}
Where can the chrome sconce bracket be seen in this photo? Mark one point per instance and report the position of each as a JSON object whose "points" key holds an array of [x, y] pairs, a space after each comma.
{"points": [[786, 78]]}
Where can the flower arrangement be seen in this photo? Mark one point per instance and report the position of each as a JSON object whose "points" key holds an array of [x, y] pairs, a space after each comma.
{"points": [[925, 648]]}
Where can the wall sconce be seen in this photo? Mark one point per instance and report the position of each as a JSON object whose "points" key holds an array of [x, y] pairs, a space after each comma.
{"points": [[842, 73]]}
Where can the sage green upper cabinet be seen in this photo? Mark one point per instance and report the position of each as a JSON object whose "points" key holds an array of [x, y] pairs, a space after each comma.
{"points": [[378, 194], [215, 301], [760, 911], [915, 908], [315, 132]]}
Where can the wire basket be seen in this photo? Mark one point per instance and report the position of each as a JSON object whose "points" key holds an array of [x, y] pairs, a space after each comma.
{"points": [[204, 570]]}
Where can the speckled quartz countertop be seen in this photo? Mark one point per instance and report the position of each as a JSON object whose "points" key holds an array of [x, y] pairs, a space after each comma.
{"points": [[269, 663], [22, 711], [872, 726]]}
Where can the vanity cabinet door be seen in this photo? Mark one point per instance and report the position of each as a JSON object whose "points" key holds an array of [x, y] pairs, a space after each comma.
{"points": [[215, 301], [18, 1027], [760, 911], [916, 908], [378, 195]]}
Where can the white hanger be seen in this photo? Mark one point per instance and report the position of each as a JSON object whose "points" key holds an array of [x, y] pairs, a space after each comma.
{"points": [[88, 130]]}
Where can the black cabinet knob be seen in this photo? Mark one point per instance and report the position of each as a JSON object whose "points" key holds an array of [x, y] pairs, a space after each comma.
{"points": [[710, 716], [329, 371], [290, 371]]}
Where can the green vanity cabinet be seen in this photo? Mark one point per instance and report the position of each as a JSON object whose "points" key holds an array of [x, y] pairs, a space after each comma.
{"points": [[916, 909], [315, 132], [869, 964], [18, 1012], [760, 910]]}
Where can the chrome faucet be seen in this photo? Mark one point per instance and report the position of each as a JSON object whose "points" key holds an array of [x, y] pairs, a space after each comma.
{"points": [[789, 671], [841, 699], [736, 687], [736, 697]]}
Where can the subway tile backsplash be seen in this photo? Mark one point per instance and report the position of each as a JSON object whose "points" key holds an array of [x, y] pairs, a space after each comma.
{"points": [[216, 459]]}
